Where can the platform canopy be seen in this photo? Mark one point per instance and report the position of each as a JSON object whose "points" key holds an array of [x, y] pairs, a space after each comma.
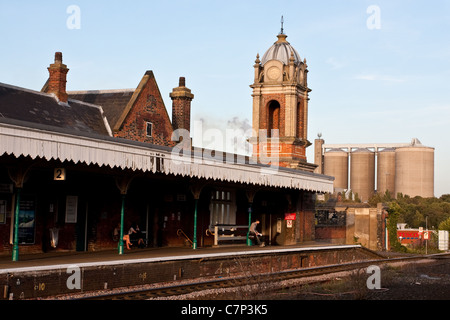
{"points": [[38, 141]]}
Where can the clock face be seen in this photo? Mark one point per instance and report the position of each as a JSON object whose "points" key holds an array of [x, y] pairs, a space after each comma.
{"points": [[273, 73]]}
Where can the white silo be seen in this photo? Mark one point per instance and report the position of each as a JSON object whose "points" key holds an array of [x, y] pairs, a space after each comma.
{"points": [[386, 171], [336, 165], [362, 173], [414, 170]]}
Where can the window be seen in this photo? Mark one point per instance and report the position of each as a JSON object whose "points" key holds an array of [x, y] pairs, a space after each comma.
{"points": [[222, 208], [2, 211], [300, 119], [274, 117], [149, 129]]}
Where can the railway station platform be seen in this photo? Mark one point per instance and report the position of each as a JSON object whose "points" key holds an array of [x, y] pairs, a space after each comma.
{"points": [[49, 274]]}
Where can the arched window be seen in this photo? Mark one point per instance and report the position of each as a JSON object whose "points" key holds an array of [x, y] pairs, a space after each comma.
{"points": [[274, 117], [300, 118]]}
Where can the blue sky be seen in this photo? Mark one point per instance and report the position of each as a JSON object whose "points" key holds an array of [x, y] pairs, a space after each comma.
{"points": [[368, 85]]}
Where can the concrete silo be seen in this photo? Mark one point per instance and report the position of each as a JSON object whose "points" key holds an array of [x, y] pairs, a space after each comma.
{"points": [[362, 173], [414, 170], [336, 165], [386, 171]]}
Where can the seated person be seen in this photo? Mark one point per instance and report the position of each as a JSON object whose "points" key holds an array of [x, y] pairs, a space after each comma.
{"points": [[135, 234]]}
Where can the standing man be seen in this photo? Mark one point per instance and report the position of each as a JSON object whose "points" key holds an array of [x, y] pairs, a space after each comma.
{"points": [[255, 233]]}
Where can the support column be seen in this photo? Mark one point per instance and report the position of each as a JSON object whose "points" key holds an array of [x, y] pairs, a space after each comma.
{"points": [[15, 252], [122, 183], [249, 243], [250, 196], [196, 190], [17, 175], [194, 242], [122, 215]]}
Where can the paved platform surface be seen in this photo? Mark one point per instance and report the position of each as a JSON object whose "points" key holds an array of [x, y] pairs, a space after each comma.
{"points": [[55, 259]]}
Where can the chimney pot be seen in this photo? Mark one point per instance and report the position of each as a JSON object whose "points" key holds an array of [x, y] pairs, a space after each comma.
{"points": [[58, 57], [182, 82]]}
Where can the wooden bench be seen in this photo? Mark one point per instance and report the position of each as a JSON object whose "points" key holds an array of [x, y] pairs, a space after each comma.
{"points": [[229, 232]]}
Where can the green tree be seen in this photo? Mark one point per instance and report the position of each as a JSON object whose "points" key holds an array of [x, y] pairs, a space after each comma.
{"points": [[445, 225], [416, 220], [380, 198], [394, 213]]}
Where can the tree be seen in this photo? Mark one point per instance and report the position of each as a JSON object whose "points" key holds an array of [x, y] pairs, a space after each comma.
{"points": [[380, 198], [445, 225], [417, 220], [394, 212]]}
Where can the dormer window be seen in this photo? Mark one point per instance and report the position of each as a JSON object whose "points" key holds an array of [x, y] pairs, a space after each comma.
{"points": [[149, 129]]}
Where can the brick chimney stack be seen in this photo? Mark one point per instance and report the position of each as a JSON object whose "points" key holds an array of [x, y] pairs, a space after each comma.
{"points": [[181, 106], [57, 80]]}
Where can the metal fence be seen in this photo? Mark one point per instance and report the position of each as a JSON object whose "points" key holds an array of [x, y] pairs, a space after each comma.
{"points": [[327, 217]]}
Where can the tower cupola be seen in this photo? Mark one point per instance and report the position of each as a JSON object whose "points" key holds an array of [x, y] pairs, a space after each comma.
{"points": [[281, 50], [280, 105]]}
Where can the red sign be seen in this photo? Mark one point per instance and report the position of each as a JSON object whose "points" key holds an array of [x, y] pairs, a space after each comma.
{"points": [[290, 216]]}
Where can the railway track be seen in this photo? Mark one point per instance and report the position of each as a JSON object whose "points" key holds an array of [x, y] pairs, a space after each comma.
{"points": [[179, 289]]}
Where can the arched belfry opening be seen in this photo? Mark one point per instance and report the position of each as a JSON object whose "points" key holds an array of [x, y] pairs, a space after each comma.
{"points": [[274, 117]]}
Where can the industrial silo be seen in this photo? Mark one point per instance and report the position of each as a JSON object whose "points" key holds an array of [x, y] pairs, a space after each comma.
{"points": [[414, 170], [362, 173], [386, 171], [336, 165]]}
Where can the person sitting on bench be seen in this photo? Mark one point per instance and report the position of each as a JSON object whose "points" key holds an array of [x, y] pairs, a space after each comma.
{"points": [[135, 234]]}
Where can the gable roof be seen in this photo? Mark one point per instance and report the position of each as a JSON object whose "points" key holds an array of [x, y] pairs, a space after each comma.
{"points": [[113, 102], [37, 107], [117, 103], [148, 77]]}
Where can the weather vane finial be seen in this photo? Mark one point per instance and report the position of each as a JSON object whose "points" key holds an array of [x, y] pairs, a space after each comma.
{"points": [[282, 21]]}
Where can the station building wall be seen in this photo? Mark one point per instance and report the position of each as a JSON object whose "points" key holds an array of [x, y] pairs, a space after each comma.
{"points": [[160, 204]]}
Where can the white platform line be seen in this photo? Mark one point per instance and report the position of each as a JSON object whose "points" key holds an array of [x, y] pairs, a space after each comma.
{"points": [[64, 267]]}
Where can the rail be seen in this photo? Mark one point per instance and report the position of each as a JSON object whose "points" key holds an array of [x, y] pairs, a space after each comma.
{"points": [[178, 289], [181, 233]]}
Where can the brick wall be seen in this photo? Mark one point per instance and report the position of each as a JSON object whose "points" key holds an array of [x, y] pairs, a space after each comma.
{"points": [[332, 234], [148, 107], [33, 284], [300, 117], [181, 113]]}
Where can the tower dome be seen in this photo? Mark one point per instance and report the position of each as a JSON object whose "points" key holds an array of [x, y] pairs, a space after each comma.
{"points": [[281, 50]]}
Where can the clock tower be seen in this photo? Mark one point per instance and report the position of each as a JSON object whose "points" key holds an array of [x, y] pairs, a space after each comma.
{"points": [[280, 107]]}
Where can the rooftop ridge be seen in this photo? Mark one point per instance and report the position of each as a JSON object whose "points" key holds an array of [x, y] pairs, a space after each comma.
{"points": [[100, 91], [27, 90]]}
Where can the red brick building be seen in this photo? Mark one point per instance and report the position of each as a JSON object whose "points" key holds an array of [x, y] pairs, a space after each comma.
{"points": [[140, 114], [76, 164]]}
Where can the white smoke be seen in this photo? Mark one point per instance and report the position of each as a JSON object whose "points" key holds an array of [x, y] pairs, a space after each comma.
{"points": [[222, 135]]}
